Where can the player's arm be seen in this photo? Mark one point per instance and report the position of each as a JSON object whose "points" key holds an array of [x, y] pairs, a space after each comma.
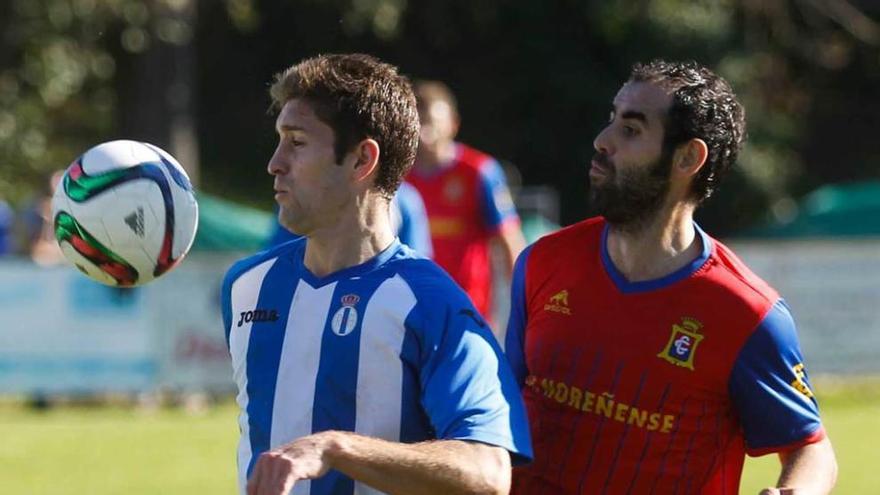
{"points": [[774, 400], [508, 242], [514, 337], [499, 215], [808, 470], [442, 467]]}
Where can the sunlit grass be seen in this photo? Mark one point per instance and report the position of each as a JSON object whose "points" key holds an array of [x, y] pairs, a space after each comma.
{"points": [[123, 449], [110, 450], [851, 414]]}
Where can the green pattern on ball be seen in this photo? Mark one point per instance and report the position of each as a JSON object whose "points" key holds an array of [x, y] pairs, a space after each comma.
{"points": [[67, 228], [88, 185]]}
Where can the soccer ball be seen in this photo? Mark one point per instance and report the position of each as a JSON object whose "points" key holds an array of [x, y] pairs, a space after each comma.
{"points": [[125, 213]]}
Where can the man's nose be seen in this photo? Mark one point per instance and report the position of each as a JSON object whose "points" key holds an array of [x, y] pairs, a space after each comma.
{"points": [[276, 165], [602, 143]]}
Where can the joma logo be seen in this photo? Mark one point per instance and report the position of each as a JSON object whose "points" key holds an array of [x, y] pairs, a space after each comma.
{"points": [[257, 315]]}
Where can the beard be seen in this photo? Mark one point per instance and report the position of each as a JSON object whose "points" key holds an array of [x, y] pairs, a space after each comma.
{"points": [[629, 200]]}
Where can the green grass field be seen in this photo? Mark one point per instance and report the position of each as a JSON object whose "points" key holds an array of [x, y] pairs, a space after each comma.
{"points": [[112, 449], [851, 413]]}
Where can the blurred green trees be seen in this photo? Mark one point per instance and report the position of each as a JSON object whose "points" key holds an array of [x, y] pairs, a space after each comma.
{"points": [[62, 65], [55, 87], [534, 80]]}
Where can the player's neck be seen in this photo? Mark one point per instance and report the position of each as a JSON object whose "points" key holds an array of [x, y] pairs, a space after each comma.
{"points": [[430, 161], [660, 247], [360, 235]]}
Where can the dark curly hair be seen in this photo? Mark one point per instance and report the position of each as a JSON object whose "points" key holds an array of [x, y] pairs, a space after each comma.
{"points": [[703, 107], [359, 97]]}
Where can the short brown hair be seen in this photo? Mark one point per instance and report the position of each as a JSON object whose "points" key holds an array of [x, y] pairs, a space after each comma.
{"points": [[359, 97]]}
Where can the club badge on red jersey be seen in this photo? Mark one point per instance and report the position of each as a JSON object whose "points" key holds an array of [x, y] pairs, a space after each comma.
{"points": [[683, 342]]}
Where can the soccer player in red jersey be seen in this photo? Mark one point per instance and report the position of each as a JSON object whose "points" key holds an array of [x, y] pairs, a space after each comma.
{"points": [[466, 196], [651, 359]]}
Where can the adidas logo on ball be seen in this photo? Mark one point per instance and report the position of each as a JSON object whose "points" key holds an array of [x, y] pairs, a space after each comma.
{"points": [[135, 221]]}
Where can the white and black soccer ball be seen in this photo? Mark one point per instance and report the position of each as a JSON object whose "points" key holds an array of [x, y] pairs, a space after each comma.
{"points": [[125, 213]]}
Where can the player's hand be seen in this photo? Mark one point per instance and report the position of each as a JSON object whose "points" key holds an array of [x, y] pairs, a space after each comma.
{"points": [[279, 469]]}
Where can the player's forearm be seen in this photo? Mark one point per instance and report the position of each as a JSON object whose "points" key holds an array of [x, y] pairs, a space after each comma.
{"points": [[811, 469], [441, 467], [509, 243]]}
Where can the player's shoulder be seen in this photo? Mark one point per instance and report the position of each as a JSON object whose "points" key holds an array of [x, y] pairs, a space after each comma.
{"points": [[407, 196], [578, 238], [244, 265], [473, 160], [440, 303], [434, 290], [406, 189], [736, 281], [428, 282], [560, 255]]}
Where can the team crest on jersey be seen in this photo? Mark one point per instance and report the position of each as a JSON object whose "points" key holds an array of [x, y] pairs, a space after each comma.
{"points": [[558, 303], [683, 342], [346, 317]]}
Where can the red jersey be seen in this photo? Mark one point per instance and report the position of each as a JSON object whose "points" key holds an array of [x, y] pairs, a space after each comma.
{"points": [[467, 203], [651, 387]]}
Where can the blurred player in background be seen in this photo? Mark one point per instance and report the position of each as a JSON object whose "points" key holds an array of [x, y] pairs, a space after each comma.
{"points": [[38, 226], [7, 216], [469, 205], [408, 219], [651, 358], [360, 365]]}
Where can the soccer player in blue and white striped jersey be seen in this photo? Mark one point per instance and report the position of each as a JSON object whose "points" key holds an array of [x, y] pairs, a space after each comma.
{"points": [[361, 367]]}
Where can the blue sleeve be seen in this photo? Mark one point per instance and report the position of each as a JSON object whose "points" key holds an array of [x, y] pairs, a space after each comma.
{"points": [[515, 337], [770, 388], [495, 199], [468, 390], [414, 229]]}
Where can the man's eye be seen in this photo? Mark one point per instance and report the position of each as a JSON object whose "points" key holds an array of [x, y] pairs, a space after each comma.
{"points": [[629, 130]]}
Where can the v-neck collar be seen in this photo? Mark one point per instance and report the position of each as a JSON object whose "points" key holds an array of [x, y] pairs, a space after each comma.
{"points": [[627, 287]]}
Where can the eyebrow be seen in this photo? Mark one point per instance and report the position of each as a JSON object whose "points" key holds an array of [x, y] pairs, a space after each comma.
{"points": [[289, 128], [632, 114]]}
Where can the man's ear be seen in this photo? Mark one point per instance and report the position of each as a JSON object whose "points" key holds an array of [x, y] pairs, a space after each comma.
{"points": [[690, 157], [366, 155]]}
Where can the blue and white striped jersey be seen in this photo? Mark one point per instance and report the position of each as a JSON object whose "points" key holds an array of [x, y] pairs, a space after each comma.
{"points": [[391, 348]]}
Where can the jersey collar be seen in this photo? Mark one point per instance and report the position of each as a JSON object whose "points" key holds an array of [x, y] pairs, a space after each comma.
{"points": [[682, 273], [350, 272]]}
